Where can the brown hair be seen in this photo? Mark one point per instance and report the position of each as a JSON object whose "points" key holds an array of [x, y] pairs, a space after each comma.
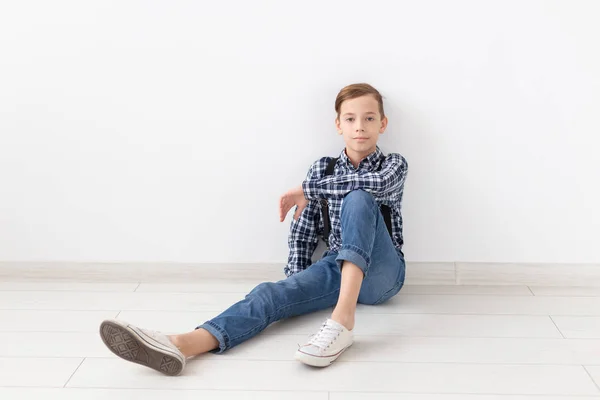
{"points": [[357, 90]]}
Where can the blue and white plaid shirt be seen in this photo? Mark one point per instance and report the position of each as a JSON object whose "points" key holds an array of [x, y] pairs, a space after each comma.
{"points": [[386, 184]]}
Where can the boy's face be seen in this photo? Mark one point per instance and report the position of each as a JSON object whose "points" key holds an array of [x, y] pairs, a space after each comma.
{"points": [[360, 124]]}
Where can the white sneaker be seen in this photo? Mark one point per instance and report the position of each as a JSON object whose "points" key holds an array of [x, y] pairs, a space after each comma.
{"points": [[149, 348], [326, 346]]}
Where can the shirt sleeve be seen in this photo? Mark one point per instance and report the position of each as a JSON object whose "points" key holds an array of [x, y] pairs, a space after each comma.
{"points": [[382, 184], [303, 239]]}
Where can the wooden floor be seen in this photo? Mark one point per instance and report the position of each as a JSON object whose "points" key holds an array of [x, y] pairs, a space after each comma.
{"points": [[430, 342]]}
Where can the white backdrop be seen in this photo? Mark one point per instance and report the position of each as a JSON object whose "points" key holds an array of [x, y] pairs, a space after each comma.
{"points": [[166, 130]]}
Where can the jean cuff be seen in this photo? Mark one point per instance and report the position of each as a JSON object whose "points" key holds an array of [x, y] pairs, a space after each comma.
{"points": [[218, 333], [354, 255]]}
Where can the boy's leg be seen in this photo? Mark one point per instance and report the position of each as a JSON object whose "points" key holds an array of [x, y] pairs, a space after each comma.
{"points": [[352, 278], [372, 271], [311, 290], [314, 289], [194, 343]]}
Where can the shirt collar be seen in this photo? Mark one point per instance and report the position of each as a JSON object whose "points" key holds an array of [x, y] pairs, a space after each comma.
{"points": [[370, 162]]}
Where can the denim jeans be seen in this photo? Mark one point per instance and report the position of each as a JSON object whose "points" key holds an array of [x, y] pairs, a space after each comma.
{"points": [[365, 242]]}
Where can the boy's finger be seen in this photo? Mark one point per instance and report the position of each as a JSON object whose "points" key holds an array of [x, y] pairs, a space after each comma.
{"points": [[281, 213], [283, 210]]}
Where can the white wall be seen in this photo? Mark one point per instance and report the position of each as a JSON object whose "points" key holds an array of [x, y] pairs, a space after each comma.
{"points": [[166, 130]]}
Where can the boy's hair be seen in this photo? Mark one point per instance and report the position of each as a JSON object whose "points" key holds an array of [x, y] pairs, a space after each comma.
{"points": [[357, 90]]}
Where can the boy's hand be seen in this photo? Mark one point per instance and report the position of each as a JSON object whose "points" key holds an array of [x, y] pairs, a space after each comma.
{"points": [[293, 197]]}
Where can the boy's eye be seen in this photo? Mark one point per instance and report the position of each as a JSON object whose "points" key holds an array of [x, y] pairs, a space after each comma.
{"points": [[352, 119]]}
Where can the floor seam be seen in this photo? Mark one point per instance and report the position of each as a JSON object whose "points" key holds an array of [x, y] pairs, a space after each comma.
{"points": [[455, 274], [74, 372], [592, 378], [559, 331], [359, 312], [378, 335]]}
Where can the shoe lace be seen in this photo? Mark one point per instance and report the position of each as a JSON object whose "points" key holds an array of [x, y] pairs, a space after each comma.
{"points": [[325, 337]]}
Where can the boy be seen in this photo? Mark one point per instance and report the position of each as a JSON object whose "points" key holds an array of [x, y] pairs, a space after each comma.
{"points": [[364, 262]]}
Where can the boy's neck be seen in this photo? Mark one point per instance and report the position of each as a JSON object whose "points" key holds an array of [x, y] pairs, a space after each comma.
{"points": [[355, 158]]}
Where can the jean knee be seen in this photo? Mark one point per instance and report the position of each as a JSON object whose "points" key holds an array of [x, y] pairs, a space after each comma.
{"points": [[262, 290], [359, 198]]}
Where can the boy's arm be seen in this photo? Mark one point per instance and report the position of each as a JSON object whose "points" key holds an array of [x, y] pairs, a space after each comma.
{"points": [[380, 184], [303, 236], [303, 239]]}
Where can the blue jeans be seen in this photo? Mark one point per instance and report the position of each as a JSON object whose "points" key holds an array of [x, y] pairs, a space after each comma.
{"points": [[365, 242]]}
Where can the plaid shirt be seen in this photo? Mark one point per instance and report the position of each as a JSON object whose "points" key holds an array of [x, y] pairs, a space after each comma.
{"points": [[386, 186]]}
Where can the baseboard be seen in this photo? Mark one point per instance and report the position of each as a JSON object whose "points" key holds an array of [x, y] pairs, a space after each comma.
{"points": [[417, 273], [528, 274]]}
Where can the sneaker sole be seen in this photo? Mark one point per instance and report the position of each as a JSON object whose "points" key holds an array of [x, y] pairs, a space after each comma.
{"points": [[129, 345], [318, 361]]}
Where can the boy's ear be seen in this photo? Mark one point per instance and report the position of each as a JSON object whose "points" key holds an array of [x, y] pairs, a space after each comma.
{"points": [[337, 126], [384, 123]]}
